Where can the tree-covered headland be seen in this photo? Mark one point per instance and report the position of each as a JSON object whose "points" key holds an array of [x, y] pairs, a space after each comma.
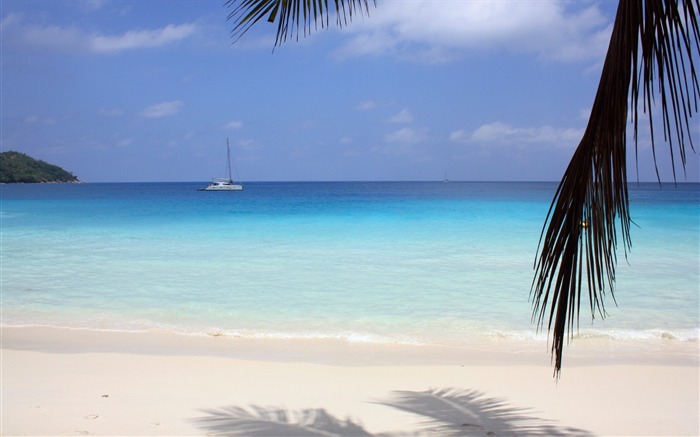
{"points": [[16, 167]]}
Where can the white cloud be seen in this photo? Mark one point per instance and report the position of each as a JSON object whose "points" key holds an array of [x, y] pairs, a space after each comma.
{"points": [[12, 19], [405, 135], [504, 134], [136, 39], [366, 105], [53, 38], [439, 30], [404, 116], [163, 109], [235, 124], [459, 136], [72, 39]]}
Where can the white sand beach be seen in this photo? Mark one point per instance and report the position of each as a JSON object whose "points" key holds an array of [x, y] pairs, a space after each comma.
{"points": [[70, 382]]}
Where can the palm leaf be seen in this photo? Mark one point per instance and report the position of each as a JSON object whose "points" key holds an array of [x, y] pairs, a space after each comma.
{"points": [[578, 243], [292, 15]]}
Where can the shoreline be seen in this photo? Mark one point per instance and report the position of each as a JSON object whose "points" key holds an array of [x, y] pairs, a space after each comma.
{"points": [[75, 382], [331, 351]]}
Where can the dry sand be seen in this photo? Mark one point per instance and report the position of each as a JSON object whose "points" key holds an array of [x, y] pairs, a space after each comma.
{"points": [[62, 382]]}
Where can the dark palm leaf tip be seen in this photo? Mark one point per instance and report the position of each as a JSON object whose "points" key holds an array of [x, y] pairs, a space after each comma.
{"points": [[292, 16], [667, 50], [578, 243]]}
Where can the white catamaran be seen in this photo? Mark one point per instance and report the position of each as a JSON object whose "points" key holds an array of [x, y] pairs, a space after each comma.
{"points": [[224, 184]]}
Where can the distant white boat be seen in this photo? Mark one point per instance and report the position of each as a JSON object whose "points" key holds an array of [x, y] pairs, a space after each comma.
{"points": [[444, 179], [223, 184]]}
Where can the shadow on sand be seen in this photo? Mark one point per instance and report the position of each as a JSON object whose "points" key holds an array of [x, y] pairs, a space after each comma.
{"points": [[446, 412]]}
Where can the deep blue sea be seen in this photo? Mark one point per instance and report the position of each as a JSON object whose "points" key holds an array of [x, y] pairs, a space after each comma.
{"points": [[397, 262]]}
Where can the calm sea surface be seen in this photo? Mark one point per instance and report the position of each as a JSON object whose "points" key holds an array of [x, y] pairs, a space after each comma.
{"points": [[411, 262]]}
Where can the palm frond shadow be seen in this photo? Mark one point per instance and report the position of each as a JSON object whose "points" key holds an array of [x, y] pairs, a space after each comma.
{"points": [[272, 421], [447, 412], [456, 412]]}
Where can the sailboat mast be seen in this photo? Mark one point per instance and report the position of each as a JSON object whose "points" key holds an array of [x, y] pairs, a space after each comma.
{"points": [[228, 151]]}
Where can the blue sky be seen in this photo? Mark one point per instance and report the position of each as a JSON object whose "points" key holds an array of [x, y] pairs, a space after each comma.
{"points": [[149, 90]]}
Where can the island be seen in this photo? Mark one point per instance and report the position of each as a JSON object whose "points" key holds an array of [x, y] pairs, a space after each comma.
{"points": [[17, 167]]}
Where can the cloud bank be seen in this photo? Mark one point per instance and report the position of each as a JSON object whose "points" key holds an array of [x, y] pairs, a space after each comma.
{"points": [[139, 39], [436, 31], [74, 40], [499, 133]]}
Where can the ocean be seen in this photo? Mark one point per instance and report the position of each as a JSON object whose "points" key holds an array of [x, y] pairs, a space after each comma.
{"points": [[373, 262]]}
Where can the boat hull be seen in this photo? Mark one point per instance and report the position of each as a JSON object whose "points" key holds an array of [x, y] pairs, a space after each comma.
{"points": [[233, 187]]}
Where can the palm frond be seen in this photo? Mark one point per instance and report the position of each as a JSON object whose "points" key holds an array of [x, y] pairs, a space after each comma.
{"points": [[292, 16], [578, 244]]}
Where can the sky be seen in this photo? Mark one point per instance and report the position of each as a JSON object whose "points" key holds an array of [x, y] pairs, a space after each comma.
{"points": [[151, 90]]}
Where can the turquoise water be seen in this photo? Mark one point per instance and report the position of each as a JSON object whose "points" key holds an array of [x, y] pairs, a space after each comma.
{"points": [[409, 262]]}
